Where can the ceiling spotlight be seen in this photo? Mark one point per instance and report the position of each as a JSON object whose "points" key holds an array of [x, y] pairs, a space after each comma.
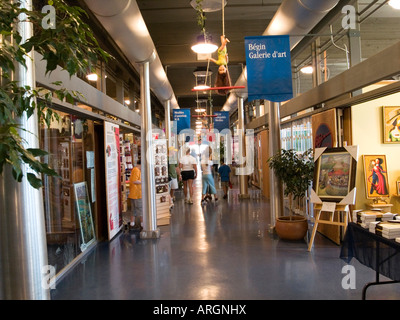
{"points": [[395, 4], [127, 102], [92, 77], [307, 69], [204, 45]]}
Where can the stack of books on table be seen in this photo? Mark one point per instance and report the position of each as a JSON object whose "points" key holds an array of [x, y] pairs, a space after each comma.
{"points": [[389, 230], [365, 217]]}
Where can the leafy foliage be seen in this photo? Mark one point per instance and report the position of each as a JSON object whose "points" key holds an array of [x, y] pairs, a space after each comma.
{"points": [[201, 16], [296, 171], [70, 45]]}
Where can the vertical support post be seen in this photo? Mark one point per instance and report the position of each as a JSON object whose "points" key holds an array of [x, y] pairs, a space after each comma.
{"points": [[355, 45], [276, 190], [242, 149], [168, 121], [23, 248], [148, 180]]}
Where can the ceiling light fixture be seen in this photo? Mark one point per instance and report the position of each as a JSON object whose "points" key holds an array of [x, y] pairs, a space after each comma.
{"points": [[92, 77], [204, 45], [307, 69], [395, 4], [200, 110], [203, 78]]}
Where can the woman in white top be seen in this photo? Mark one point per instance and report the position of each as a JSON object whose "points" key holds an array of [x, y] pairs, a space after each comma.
{"points": [[207, 178], [188, 168]]}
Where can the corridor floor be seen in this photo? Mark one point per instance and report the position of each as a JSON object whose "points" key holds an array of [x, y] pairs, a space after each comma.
{"points": [[220, 251]]}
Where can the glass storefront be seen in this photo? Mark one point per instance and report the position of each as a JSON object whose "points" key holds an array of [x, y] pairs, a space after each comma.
{"points": [[68, 199]]}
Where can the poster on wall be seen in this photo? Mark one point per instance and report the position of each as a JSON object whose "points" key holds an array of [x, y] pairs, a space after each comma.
{"points": [[112, 167], [84, 214], [324, 129]]}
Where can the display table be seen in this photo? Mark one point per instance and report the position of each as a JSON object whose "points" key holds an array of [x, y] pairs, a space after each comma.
{"points": [[374, 251]]}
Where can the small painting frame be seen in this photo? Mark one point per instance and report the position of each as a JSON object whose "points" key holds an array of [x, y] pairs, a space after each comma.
{"points": [[376, 176], [84, 214], [334, 173], [391, 124], [398, 187]]}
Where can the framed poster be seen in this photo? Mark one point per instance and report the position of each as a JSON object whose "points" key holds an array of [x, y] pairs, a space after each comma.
{"points": [[376, 177], [324, 129], [84, 214], [391, 124], [334, 174]]}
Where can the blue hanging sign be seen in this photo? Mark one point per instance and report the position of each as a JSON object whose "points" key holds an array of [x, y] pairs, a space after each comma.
{"points": [[269, 72], [221, 121], [182, 118]]}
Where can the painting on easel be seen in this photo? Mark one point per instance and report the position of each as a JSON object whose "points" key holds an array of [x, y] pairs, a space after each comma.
{"points": [[334, 174]]}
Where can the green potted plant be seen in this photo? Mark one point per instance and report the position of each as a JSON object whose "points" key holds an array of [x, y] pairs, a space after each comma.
{"points": [[296, 172]]}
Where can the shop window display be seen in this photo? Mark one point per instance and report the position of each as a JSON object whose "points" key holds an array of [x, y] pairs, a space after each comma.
{"points": [[68, 142]]}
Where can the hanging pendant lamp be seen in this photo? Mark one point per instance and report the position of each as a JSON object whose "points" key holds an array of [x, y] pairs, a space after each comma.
{"points": [[204, 45]]}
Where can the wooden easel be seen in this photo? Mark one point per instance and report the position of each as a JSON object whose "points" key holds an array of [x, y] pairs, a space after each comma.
{"points": [[330, 207]]}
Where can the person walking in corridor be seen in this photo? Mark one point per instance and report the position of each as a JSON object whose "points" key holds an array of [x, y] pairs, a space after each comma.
{"points": [[135, 194], [188, 168]]}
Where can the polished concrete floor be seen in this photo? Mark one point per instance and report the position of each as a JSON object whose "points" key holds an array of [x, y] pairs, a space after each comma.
{"points": [[220, 251]]}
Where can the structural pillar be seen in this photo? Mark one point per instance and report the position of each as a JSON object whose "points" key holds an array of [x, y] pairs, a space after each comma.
{"points": [[168, 121], [24, 269], [150, 229], [276, 189], [243, 178]]}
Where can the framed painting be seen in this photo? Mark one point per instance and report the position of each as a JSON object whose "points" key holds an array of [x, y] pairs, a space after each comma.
{"points": [[398, 187], [84, 214], [391, 124], [334, 174], [375, 176], [324, 129]]}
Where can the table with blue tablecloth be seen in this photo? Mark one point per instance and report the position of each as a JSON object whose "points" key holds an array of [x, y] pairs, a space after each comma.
{"points": [[374, 251]]}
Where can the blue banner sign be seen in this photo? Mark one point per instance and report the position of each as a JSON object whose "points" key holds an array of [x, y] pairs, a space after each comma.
{"points": [[269, 72], [182, 118], [221, 121]]}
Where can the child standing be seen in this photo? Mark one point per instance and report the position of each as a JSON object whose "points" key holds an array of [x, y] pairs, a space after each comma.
{"points": [[224, 173]]}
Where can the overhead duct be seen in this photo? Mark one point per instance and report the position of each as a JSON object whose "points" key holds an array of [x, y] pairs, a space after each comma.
{"points": [[124, 22], [294, 17]]}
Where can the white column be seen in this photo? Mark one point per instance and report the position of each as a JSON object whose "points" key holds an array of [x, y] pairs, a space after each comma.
{"points": [[275, 185], [23, 248], [150, 229]]}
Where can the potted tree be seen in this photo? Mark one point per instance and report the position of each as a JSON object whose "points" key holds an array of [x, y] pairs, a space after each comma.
{"points": [[296, 171]]}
